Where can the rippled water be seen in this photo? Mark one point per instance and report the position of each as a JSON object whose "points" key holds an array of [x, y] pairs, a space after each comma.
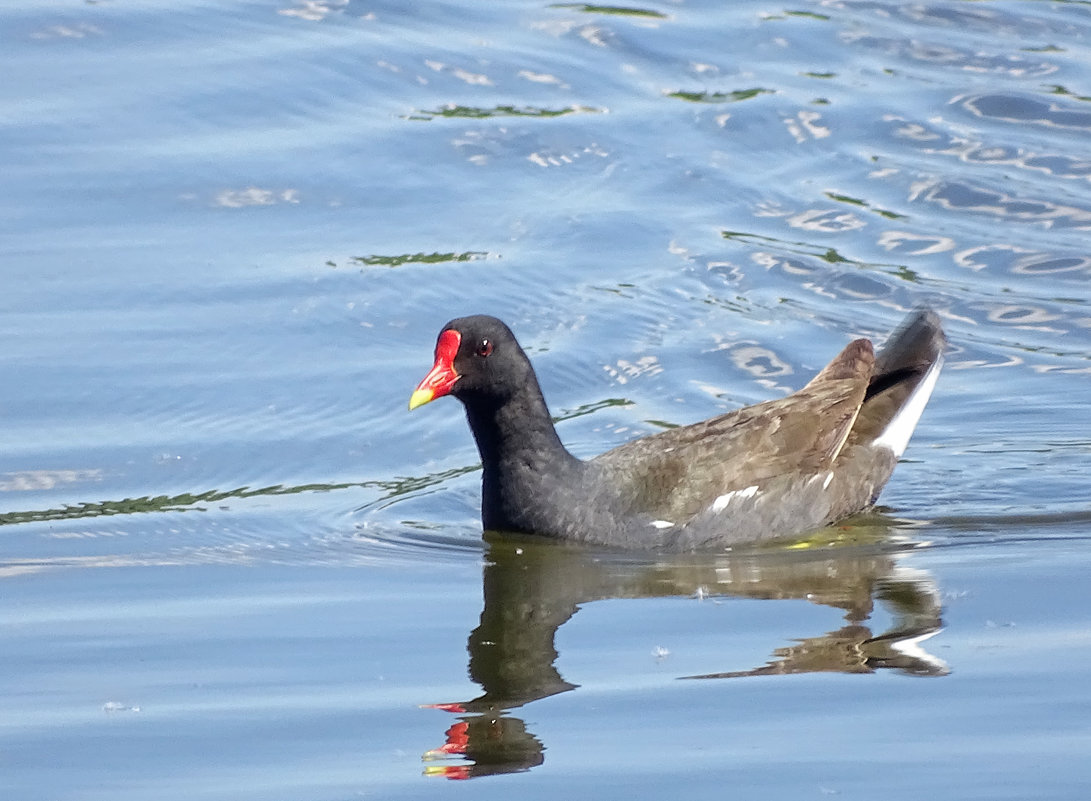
{"points": [[235, 567]]}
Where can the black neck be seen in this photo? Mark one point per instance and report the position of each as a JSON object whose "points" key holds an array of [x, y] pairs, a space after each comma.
{"points": [[518, 427], [526, 469]]}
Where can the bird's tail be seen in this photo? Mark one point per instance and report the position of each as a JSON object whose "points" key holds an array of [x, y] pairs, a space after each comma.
{"points": [[906, 369]]}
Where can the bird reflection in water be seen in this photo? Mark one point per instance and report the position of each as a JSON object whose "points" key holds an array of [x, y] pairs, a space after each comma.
{"points": [[532, 587]]}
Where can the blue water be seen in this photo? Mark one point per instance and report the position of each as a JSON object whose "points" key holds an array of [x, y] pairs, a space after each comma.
{"points": [[233, 565]]}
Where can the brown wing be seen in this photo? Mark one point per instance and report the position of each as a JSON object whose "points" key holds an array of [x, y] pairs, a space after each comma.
{"points": [[676, 474]]}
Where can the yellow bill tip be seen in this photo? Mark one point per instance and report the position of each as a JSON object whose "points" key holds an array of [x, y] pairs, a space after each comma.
{"points": [[420, 397]]}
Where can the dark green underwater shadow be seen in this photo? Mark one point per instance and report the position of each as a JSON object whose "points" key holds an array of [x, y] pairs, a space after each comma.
{"points": [[388, 491]]}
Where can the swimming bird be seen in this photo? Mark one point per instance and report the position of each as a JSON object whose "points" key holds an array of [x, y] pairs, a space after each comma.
{"points": [[775, 470]]}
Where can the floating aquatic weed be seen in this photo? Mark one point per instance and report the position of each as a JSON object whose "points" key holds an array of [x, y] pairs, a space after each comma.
{"points": [[418, 258]]}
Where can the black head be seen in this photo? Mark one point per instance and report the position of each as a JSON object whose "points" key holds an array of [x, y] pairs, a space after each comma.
{"points": [[477, 360]]}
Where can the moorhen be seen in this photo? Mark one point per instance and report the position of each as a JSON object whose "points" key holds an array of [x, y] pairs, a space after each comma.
{"points": [[778, 469]]}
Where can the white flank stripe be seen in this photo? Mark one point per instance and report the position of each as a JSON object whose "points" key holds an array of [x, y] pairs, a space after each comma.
{"points": [[721, 503], [898, 431], [662, 523]]}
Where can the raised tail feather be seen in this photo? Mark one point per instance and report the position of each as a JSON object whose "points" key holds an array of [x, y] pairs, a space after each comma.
{"points": [[906, 369]]}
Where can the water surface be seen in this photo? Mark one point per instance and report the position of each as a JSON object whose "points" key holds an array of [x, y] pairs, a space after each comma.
{"points": [[235, 567]]}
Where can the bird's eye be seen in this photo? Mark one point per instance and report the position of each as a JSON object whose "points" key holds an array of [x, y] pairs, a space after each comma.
{"points": [[485, 348]]}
